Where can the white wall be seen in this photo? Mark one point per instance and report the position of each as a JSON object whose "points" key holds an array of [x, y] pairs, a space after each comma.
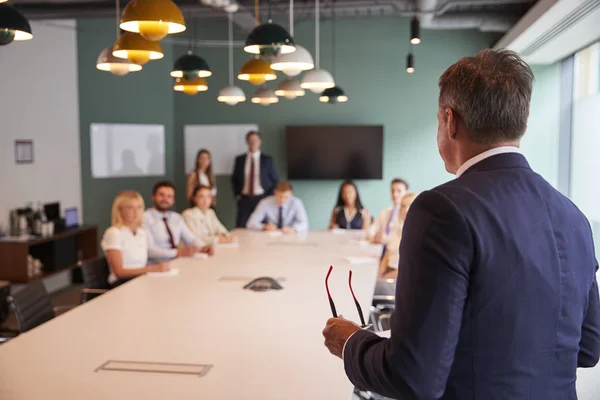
{"points": [[39, 101]]}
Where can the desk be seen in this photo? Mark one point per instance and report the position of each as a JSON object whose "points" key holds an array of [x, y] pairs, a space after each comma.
{"points": [[262, 345]]}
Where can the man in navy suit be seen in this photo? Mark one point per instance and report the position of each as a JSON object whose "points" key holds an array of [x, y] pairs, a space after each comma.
{"points": [[496, 297], [254, 177]]}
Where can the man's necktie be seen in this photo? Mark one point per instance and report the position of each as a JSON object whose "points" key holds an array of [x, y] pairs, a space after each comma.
{"points": [[280, 220], [171, 240], [252, 171], [388, 228]]}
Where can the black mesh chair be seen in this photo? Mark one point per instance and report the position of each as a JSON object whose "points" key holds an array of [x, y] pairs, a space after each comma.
{"points": [[95, 277]]}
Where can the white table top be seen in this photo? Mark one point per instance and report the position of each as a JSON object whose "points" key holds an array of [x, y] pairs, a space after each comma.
{"points": [[262, 345]]}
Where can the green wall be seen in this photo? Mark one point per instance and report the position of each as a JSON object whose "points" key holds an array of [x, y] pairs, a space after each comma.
{"points": [[370, 66]]}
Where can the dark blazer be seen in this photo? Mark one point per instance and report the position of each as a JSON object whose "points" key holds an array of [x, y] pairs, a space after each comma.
{"points": [[268, 174], [496, 297]]}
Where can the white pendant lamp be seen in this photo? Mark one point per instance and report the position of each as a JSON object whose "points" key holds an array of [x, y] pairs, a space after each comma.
{"points": [[231, 94], [264, 96], [294, 63], [317, 79], [290, 89], [108, 62]]}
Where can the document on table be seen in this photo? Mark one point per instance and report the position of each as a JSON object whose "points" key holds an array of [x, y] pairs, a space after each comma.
{"points": [[275, 233], [171, 272], [232, 244], [200, 256], [361, 260]]}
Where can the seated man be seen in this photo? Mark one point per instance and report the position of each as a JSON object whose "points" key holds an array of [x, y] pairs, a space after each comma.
{"points": [[379, 232], [282, 211], [167, 228]]}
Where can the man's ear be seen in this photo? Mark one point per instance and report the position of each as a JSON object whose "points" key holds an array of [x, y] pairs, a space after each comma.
{"points": [[451, 123]]}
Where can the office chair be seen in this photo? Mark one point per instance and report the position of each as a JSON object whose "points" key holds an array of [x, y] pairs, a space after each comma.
{"points": [[95, 277]]}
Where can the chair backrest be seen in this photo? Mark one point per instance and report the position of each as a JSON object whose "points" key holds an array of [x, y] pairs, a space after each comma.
{"points": [[95, 273], [4, 306], [32, 306]]}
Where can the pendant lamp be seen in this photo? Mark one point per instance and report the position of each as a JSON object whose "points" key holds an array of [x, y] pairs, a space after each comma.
{"points": [[300, 60], [268, 39], [290, 89], [415, 37], [317, 80], [109, 63], [190, 87], [191, 66], [256, 71], [264, 96], [13, 25], [410, 63], [137, 49], [231, 94], [334, 94], [152, 19]]}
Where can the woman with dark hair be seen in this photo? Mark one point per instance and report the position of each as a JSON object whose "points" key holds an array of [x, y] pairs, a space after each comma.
{"points": [[202, 175], [349, 212]]}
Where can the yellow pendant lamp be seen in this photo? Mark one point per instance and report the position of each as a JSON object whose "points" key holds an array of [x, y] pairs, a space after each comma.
{"points": [[190, 87], [137, 49], [152, 19], [256, 71]]}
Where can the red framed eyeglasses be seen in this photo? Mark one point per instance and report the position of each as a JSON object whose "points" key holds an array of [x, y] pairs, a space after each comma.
{"points": [[332, 304]]}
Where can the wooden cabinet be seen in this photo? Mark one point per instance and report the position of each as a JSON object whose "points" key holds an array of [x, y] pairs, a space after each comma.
{"points": [[58, 253]]}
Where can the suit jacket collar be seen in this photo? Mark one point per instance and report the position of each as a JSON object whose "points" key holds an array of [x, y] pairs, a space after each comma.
{"points": [[499, 161]]}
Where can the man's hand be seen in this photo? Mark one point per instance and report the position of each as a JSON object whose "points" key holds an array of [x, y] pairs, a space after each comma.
{"points": [[270, 227], [186, 251], [210, 250], [288, 229], [225, 238], [336, 333]]}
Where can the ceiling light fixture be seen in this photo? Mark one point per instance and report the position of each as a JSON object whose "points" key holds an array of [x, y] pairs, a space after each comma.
{"points": [[294, 63], [152, 19], [264, 96], [317, 80], [410, 63], [190, 87], [13, 25], [415, 37], [290, 89], [334, 94], [191, 66], [109, 63], [231, 94], [256, 71], [268, 39], [137, 49]]}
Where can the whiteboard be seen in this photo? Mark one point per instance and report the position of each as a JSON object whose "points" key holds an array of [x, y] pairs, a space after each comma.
{"points": [[125, 150], [224, 142]]}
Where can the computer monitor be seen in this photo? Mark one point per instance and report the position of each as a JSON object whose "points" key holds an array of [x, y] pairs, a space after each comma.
{"points": [[52, 211], [71, 218]]}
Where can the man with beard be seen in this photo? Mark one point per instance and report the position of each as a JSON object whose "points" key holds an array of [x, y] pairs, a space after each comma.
{"points": [[167, 229]]}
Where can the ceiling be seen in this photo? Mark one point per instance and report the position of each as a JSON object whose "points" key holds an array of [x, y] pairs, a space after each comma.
{"points": [[491, 15]]}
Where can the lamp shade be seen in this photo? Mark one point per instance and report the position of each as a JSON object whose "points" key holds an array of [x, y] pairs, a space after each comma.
{"points": [[190, 87], [264, 96], [333, 95], [231, 95], [153, 19], [410, 63], [290, 89], [117, 66], [190, 65], [292, 64], [269, 39], [13, 25], [415, 37], [137, 49], [256, 71], [317, 80]]}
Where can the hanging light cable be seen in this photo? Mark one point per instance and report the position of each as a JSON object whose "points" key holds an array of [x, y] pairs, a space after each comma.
{"points": [[292, 64], [317, 79], [231, 94], [190, 65], [334, 94], [269, 39]]}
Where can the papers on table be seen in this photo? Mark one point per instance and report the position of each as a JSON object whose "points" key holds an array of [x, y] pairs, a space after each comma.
{"points": [[171, 272], [200, 256], [361, 260], [338, 231], [274, 233], [232, 244]]}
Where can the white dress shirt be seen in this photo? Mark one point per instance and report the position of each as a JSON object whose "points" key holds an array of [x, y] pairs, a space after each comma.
{"points": [[160, 246], [204, 181], [133, 247], [486, 154], [258, 189], [393, 245], [381, 224], [205, 225], [267, 212]]}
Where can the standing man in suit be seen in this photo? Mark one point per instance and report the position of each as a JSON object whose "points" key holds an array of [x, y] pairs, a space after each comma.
{"points": [[496, 296], [254, 177]]}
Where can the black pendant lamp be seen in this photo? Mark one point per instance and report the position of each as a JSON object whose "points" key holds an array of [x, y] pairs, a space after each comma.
{"points": [[410, 63], [415, 37], [191, 66], [13, 25], [269, 39], [333, 95]]}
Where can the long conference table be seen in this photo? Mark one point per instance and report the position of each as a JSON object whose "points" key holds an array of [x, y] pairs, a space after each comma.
{"points": [[247, 344]]}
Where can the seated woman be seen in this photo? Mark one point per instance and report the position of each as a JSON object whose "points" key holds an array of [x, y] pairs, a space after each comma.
{"points": [[388, 267], [349, 212], [125, 243], [202, 220], [202, 175]]}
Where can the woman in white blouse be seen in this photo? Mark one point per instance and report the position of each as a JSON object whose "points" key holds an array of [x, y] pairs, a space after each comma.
{"points": [[202, 175], [125, 243], [388, 267], [202, 220]]}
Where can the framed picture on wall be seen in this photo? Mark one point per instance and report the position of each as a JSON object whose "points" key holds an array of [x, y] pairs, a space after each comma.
{"points": [[24, 151]]}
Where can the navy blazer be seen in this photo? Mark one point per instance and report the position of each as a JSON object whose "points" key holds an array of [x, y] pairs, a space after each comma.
{"points": [[496, 297], [268, 174]]}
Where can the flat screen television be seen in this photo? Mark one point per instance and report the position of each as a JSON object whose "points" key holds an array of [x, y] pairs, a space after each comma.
{"points": [[334, 152]]}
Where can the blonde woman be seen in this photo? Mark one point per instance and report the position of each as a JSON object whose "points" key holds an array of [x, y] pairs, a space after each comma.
{"points": [[388, 267], [202, 175], [203, 221], [126, 243]]}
